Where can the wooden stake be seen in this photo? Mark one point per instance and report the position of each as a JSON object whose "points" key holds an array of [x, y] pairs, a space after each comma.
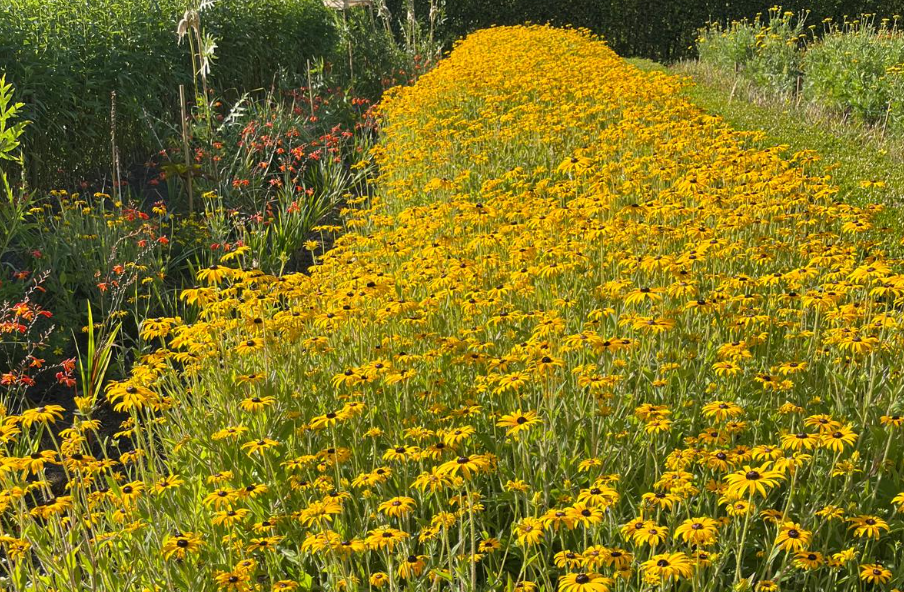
{"points": [[115, 157], [185, 148]]}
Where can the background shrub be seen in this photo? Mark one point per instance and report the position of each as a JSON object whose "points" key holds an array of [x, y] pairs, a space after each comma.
{"points": [[658, 29], [852, 69], [765, 52], [731, 46], [66, 58]]}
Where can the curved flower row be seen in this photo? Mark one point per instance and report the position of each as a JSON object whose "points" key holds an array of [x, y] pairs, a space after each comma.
{"points": [[587, 339]]}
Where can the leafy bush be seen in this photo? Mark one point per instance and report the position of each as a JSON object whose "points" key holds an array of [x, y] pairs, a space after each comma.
{"points": [[68, 57], [279, 167], [730, 46], [766, 53], [852, 69], [12, 206], [272, 171], [372, 54]]}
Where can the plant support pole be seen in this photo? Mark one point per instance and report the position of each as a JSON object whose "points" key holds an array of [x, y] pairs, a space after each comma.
{"points": [[185, 148]]}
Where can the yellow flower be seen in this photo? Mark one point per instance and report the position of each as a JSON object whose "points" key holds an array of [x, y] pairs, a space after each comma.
{"points": [[668, 565], [180, 545], [750, 480], [792, 538], [518, 422], [385, 537], [584, 582], [529, 531], [698, 531], [41, 415], [874, 573], [259, 446], [397, 506], [836, 440], [867, 526]]}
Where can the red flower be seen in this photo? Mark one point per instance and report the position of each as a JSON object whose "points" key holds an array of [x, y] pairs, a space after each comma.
{"points": [[65, 379]]}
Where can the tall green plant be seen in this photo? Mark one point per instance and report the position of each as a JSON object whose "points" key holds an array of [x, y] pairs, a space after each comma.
{"points": [[94, 362], [852, 68], [13, 212], [765, 51], [67, 57]]}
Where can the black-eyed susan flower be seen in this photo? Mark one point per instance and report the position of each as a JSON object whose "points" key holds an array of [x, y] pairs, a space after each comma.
{"points": [[397, 506], [665, 566], [259, 446], [379, 579], [385, 537], [702, 531], [41, 415], [584, 582], [412, 566], [233, 581], [792, 537], [750, 480], [838, 439], [567, 559], [809, 559], [867, 526], [874, 573], [518, 421], [181, 544], [529, 531]]}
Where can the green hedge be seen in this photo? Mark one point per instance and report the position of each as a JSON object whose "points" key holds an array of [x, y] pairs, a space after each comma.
{"points": [[66, 56], [658, 29]]}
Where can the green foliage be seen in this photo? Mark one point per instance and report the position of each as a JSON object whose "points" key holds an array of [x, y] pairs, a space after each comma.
{"points": [[730, 46], [283, 164], [855, 68], [13, 207], [68, 57], [766, 52], [368, 53], [95, 361], [659, 29]]}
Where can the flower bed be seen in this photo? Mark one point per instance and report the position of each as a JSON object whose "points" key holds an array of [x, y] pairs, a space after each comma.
{"points": [[586, 338]]}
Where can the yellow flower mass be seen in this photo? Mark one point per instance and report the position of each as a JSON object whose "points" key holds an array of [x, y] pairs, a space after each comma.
{"points": [[582, 337]]}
